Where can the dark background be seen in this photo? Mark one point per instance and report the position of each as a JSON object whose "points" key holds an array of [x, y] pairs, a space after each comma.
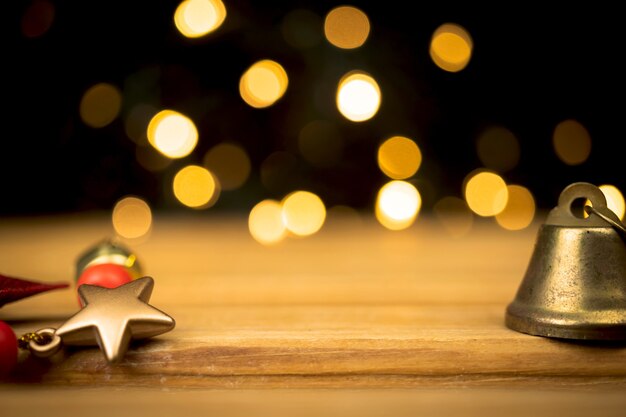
{"points": [[532, 67]]}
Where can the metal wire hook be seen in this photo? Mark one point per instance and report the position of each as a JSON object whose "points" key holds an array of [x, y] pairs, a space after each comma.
{"points": [[617, 225]]}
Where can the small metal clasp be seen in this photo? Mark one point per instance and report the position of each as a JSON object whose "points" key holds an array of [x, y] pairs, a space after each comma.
{"points": [[43, 343]]}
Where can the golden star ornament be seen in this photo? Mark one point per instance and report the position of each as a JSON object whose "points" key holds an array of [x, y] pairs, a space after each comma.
{"points": [[112, 317]]}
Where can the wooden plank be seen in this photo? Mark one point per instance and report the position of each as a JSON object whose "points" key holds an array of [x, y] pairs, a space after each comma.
{"points": [[269, 346], [221, 262], [311, 403], [354, 306]]}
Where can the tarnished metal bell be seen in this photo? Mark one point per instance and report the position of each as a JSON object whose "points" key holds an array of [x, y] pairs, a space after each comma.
{"points": [[575, 284]]}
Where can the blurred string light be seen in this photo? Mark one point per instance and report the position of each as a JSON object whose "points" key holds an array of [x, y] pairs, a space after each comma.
{"points": [[399, 157], [137, 118], [196, 18], [301, 29], [397, 205], [266, 222], [320, 143], [346, 27], [151, 159], [300, 213], [303, 213], [358, 96], [451, 47], [230, 164], [486, 193], [345, 216], [572, 142], [136, 121], [195, 187], [264, 83], [132, 217], [172, 133], [100, 105], [454, 215], [519, 211], [37, 19], [614, 199], [279, 170], [498, 149]]}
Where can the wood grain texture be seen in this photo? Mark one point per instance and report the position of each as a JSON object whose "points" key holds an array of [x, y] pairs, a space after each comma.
{"points": [[310, 403], [354, 306]]}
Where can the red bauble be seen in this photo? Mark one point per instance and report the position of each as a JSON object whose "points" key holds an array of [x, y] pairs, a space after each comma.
{"points": [[104, 275], [8, 349]]}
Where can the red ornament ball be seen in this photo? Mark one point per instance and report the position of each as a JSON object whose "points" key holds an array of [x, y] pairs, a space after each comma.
{"points": [[104, 275], [8, 349]]}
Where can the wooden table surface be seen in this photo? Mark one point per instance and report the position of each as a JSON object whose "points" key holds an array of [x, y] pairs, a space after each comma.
{"points": [[355, 318]]}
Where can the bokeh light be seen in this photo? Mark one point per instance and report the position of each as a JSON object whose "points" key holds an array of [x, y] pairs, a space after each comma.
{"points": [[303, 213], [320, 143], [279, 171], [520, 209], [263, 83], [172, 133], [136, 121], [451, 47], [399, 157], [346, 27], [302, 28], [132, 217], [265, 222], [230, 164], [486, 193], [498, 149], [100, 105], [614, 199], [196, 18], [358, 96], [454, 215], [37, 19], [151, 159], [195, 187], [572, 142], [397, 205], [343, 216]]}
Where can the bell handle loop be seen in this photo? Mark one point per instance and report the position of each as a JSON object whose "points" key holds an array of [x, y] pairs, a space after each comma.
{"points": [[581, 190], [562, 214]]}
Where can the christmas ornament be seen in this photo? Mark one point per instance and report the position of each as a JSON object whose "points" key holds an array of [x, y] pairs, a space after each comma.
{"points": [[13, 289], [8, 349], [575, 284], [111, 318], [107, 264], [104, 275], [109, 252]]}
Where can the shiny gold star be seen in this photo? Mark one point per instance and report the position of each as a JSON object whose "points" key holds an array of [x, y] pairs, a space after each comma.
{"points": [[113, 316]]}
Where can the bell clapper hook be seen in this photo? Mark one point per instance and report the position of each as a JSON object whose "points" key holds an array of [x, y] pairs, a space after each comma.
{"points": [[619, 226]]}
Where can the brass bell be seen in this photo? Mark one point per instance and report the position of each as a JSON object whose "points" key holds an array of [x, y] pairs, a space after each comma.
{"points": [[575, 284]]}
